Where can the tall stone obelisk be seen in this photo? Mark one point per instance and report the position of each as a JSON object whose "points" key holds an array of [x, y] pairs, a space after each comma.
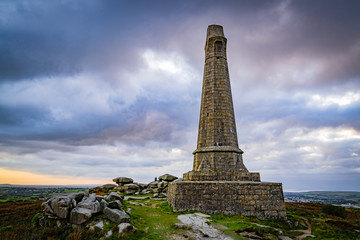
{"points": [[218, 156], [219, 181]]}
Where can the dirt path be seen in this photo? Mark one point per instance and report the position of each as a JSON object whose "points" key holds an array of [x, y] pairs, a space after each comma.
{"points": [[306, 232]]}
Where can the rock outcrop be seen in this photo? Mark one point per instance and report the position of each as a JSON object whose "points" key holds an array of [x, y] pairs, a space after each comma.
{"points": [[102, 205], [158, 187], [105, 203]]}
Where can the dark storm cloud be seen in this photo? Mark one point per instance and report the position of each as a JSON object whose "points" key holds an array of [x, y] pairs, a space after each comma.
{"points": [[117, 84], [317, 40], [42, 38]]}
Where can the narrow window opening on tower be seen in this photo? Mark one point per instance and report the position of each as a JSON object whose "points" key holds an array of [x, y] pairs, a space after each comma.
{"points": [[218, 47]]}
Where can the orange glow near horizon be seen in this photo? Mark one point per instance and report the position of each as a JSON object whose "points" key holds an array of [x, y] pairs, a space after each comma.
{"points": [[28, 178]]}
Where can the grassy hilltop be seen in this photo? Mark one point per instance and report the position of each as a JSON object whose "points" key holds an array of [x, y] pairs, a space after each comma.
{"points": [[154, 219]]}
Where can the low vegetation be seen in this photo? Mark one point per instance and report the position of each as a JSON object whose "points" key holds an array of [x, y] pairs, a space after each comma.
{"points": [[154, 219]]}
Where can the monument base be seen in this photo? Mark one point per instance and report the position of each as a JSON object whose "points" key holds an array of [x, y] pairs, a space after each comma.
{"points": [[258, 199]]}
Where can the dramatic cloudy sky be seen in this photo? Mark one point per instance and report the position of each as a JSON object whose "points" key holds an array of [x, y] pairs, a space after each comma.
{"points": [[92, 90]]}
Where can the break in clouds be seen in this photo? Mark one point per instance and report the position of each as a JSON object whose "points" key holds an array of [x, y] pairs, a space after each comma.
{"points": [[105, 89]]}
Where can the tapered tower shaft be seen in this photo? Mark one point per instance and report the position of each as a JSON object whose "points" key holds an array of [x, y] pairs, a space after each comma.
{"points": [[217, 146]]}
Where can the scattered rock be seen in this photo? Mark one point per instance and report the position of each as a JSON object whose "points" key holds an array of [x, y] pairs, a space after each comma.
{"points": [[116, 215], [198, 222], [79, 208], [90, 203], [131, 188], [103, 205], [123, 180], [109, 186], [59, 206], [153, 184], [99, 224], [145, 191], [167, 177], [126, 228], [80, 215], [128, 211], [135, 198], [109, 234], [162, 195], [99, 198], [114, 196], [115, 204], [162, 184], [136, 203]]}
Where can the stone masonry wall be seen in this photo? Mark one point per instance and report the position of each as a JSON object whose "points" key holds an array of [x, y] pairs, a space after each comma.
{"points": [[258, 199], [222, 161], [221, 176]]}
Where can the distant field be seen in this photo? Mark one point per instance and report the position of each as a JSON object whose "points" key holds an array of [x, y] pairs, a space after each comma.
{"points": [[325, 197], [353, 196], [32, 193]]}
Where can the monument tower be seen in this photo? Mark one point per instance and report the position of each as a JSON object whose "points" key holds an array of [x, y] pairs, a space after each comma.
{"points": [[219, 181]]}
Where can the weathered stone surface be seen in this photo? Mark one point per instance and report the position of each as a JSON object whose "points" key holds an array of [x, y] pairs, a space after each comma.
{"points": [[145, 191], [141, 185], [221, 176], [109, 186], [80, 215], [162, 184], [167, 177], [99, 198], [153, 184], [90, 203], [135, 198], [116, 215], [98, 224], [198, 222], [229, 197], [131, 188], [114, 196], [60, 205], [123, 180], [115, 204], [126, 228], [103, 204], [162, 195]]}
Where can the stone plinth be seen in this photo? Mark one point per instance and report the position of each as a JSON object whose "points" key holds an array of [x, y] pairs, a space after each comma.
{"points": [[258, 199]]}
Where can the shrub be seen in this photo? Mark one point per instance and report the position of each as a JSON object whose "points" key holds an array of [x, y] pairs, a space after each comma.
{"points": [[334, 210]]}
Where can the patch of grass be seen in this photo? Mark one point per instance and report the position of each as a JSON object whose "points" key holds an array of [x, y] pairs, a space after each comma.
{"points": [[327, 228], [6, 228], [35, 219], [237, 224], [155, 220]]}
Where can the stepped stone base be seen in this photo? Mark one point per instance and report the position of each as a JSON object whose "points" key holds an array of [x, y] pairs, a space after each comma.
{"points": [[258, 199], [221, 176]]}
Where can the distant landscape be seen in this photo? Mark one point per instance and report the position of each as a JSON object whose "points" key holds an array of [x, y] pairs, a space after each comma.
{"points": [[10, 192], [345, 199], [15, 193]]}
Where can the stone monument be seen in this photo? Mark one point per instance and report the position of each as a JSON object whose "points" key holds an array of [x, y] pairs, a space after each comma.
{"points": [[219, 181]]}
